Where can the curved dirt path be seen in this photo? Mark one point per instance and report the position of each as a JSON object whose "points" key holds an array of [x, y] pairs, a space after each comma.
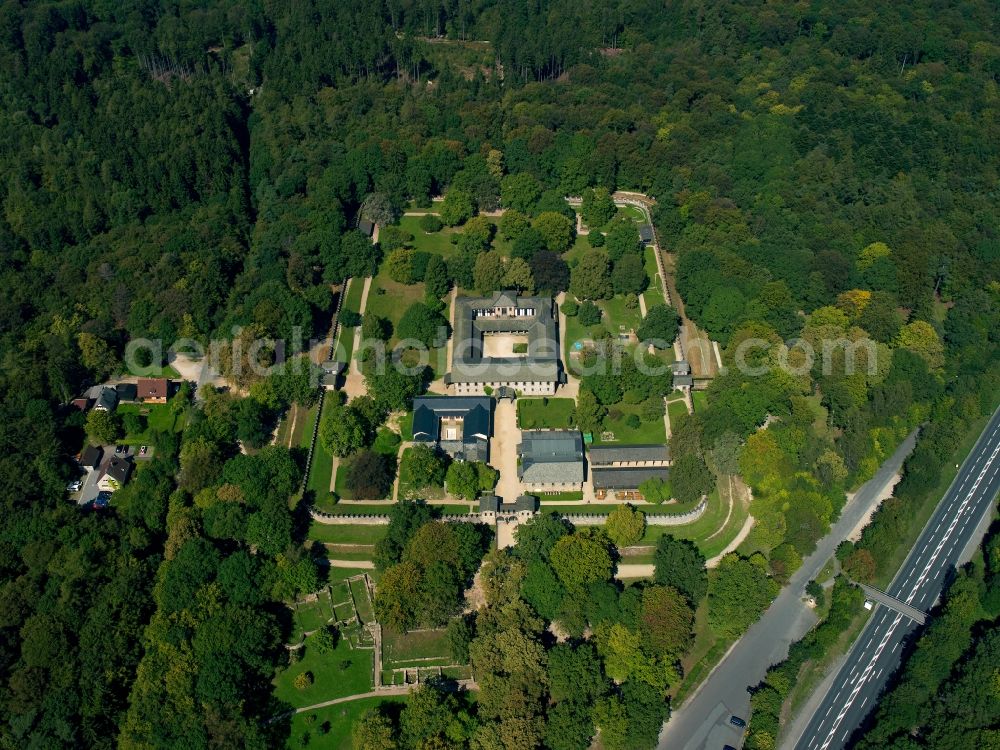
{"points": [[737, 541]]}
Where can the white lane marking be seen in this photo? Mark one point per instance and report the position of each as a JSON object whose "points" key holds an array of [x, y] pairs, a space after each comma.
{"points": [[923, 575]]}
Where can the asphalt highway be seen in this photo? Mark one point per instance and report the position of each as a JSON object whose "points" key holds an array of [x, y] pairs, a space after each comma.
{"points": [[702, 722], [875, 655]]}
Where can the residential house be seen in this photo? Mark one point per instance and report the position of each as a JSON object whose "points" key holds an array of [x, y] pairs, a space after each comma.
{"points": [[117, 474], [153, 390], [107, 399]]}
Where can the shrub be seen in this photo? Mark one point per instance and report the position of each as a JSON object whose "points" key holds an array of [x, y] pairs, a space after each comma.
{"points": [[303, 680], [632, 420], [570, 307], [596, 239], [589, 313], [431, 223]]}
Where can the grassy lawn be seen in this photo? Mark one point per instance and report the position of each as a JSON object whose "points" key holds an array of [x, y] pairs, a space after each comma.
{"points": [[580, 245], [676, 410], [158, 417], [344, 347], [406, 426], [346, 534], [307, 420], [389, 299], [544, 413], [345, 671], [561, 497], [361, 509], [337, 720], [309, 616], [355, 290], [165, 371], [699, 530], [411, 649], [654, 432], [338, 575], [654, 293], [364, 605], [633, 212], [351, 552], [617, 317], [320, 471], [585, 509], [436, 242], [700, 400]]}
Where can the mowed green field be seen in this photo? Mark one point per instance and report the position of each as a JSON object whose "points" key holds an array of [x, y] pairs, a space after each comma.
{"points": [[416, 648], [329, 728], [344, 671], [653, 431], [544, 413], [346, 533]]}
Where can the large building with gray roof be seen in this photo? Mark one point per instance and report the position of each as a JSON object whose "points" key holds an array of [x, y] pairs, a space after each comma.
{"points": [[460, 425], [550, 460], [535, 371]]}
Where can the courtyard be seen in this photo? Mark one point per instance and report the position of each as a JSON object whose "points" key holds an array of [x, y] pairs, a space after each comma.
{"points": [[505, 345]]}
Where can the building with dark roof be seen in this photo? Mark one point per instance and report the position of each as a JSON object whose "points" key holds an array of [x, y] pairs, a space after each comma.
{"points": [[646, 234], [682, 375], [117, 474], [550, 460], [127, 392], [460, 425], [492, 507], [537, 372], [614, 456], [90, 456], [624, 482], [107, 399], [332, 370], [365, 227]]}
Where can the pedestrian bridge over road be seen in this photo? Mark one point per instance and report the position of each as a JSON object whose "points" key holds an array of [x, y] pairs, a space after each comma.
{"points": [[877, 595]]}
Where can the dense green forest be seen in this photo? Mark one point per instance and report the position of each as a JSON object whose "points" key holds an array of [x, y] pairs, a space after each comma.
{"points": [[185, 169]]}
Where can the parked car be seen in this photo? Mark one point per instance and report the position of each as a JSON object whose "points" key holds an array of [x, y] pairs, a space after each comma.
{"points": [[142, 450], [736, 721], [102, 499], [74, 486], [119, 449]]}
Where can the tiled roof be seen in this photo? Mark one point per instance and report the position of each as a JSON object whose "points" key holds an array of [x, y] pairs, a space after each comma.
{"points": [[540, 363], [476, 412], [551, 456], [627, 478], [609, 454]]}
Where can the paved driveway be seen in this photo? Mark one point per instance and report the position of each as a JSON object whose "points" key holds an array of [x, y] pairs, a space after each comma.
{"points": [[503, 449]]}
